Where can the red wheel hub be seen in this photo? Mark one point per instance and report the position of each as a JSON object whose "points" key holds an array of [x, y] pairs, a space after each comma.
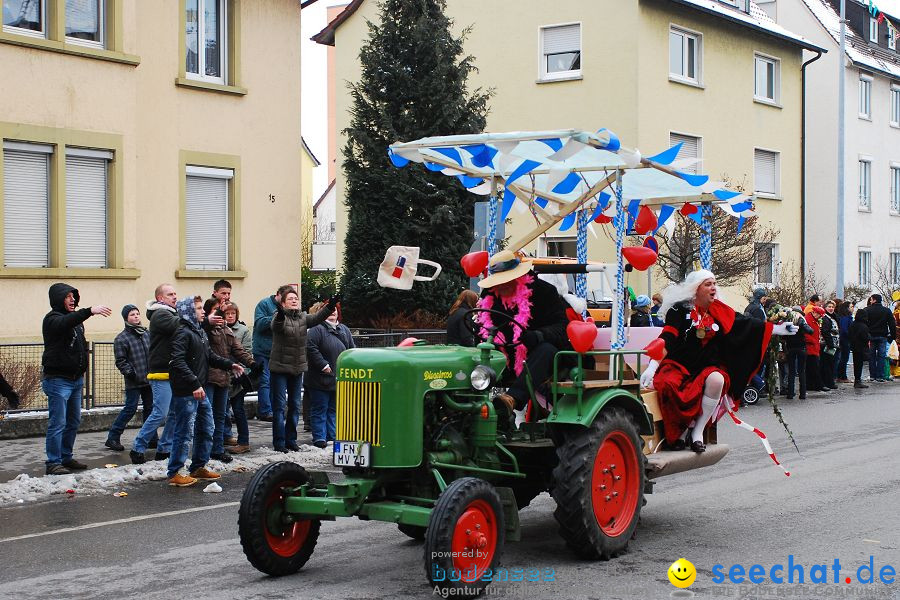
{"points": [[474, 540], [614, 483], [287, 540]]}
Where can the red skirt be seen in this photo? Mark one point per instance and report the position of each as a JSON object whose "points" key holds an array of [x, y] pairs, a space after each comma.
{"points": [[680, 395]]}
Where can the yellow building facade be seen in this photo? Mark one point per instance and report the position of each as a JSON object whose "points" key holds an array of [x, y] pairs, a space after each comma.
{"points": [[147, 142], [654, 71]]}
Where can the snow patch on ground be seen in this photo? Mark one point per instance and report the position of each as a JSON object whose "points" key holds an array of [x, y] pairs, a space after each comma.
{"points": [[24, 488]]}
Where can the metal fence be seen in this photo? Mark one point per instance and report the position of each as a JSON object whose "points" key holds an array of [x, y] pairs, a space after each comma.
{"points": [[103, 384]]}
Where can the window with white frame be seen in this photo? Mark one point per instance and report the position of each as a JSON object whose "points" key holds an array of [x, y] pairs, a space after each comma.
{"points": [[560, 51], [766, 264], [895, 266], [865, 96], [690, 154], [895, 105], [767, 80], [206, 218], [892, 38], [26, 204], [86, 207], [26, 17], [84, 22], [895, 189], [684, 55], [766, 172], [873, 30], [206, 39], [865, 268], [865, 184]]}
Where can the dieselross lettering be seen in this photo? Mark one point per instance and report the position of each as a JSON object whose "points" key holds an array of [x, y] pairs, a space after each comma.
{"points": [[429, 375]]}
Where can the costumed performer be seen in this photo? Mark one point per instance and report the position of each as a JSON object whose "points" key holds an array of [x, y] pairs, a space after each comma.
{"points": [[711, 352]]}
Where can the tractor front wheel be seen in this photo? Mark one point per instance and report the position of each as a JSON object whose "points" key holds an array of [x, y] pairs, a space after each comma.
{"points": [[599, 485], [464, 537], [274, 541]]}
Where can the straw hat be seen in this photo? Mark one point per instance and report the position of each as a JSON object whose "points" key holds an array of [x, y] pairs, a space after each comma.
{"points": [[504, 267]]}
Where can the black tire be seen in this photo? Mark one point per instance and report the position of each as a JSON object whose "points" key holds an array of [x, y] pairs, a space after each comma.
{"points": [[751, 395], [415, 532], [577, 488], [279, 552], [464, 502]]}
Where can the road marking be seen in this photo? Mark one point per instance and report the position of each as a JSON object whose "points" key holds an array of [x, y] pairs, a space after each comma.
{"points": [[119, 521], [872, 541]]}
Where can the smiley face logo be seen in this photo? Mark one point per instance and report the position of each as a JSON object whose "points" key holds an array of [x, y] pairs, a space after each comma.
{"points": [[682, 573]]}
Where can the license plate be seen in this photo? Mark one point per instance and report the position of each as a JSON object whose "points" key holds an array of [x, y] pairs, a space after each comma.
{"points": [[351, 454]]}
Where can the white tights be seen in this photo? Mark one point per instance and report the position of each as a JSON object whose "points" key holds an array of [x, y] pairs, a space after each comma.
{"points": [[712, 393]]}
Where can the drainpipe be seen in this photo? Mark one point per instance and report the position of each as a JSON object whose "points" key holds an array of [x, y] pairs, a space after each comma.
{"points": [[842, 76], [803, 164]]}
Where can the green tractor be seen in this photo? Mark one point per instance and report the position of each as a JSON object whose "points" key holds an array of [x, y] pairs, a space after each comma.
{"points": [[420, 446]]}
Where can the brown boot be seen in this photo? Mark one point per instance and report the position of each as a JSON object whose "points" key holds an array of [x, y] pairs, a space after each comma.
{"points": [[180, 480], [204, 473], [508, 400]]}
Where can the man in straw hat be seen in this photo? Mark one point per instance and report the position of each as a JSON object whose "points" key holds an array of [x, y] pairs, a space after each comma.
{"points": [[513, 289]]}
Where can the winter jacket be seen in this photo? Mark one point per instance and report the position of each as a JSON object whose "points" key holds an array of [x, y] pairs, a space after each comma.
{"points": [[830, 335], [289, 339], [655, 320], [548, 314], [323, 346], [65, 347], [812, 339], [132, 351], [457, 333], [242, 333], [640, 319], [756, 310], [191, 354], [223, 342], [859, 333], [881, 322], [164, 322], [262, 326]]}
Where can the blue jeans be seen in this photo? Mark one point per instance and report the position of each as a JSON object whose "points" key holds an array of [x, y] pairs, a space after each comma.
{"points": [[219, 398], [877, 357], [240, 420], [322, 414], [285, 392], [64, 404], [132, 397], [263, 393], [162, 412], [193, 423]]}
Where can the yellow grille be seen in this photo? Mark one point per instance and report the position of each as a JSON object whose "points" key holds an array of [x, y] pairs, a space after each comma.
{"points": [[359, 411]]}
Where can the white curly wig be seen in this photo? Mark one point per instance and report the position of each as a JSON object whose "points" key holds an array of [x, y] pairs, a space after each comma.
{"points": [[685, 291]]}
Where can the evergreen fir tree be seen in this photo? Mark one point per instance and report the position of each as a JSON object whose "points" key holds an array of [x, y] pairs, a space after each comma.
{"points": [[413, 85]]}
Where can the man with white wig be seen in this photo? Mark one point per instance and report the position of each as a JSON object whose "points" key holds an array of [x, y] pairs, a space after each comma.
{"points": [[711, 352]]}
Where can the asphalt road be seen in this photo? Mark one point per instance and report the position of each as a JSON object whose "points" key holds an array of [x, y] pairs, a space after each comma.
{"points": [[841, 502]]}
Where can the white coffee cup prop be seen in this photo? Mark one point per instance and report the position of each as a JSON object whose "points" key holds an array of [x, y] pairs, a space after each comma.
{"points": [[399, 267]]}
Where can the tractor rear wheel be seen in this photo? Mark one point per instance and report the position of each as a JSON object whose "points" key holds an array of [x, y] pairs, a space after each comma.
{"points": [[464, 538], [415, 532], [599, 485], [273, 542]]}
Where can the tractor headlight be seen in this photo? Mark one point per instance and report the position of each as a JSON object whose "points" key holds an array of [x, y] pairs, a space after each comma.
{"points": [[482, 377]]}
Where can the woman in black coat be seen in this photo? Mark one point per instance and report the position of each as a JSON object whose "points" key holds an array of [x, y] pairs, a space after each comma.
{"points": [[457, 333], [859, 344], [324, 344]]}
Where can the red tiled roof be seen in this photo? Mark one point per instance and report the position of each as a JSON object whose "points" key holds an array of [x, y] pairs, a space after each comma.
{"points": [[326, 36]]}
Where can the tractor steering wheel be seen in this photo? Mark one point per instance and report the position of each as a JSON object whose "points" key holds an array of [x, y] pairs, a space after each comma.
{"points": [[475, 328]]}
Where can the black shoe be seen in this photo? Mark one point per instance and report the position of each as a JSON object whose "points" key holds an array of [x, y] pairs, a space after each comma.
{"points": [[161, 456], [137, 458], [57, 470], [224, 457], [860, 385], [152, 444], [789, 397], [320, 444], [699, 447], [803, 396], [281, 449], [114, 445], [266, 418], [74, 464], [292, 446]]}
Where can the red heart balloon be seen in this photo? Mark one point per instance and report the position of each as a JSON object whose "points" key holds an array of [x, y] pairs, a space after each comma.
{"points": [[646, 221], [603, 219], [474, 263], [688, 209], [582, 334], [655, 349], [639, 257]]}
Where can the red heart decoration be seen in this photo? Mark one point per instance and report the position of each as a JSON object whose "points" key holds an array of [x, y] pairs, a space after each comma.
{"points": [[655, 349], [651, 243], [603, 219], [474, 263], [639, 257], [688, 209], [646, 221], [582, 334]]}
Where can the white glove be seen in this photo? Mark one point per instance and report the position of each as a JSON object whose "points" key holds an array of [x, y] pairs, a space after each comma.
{"points": [[784, 329], [647, 375]]}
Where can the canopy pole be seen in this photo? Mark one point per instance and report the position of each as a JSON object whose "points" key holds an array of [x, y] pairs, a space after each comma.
{"points": [[705, 236], [492, 219], [619, 340], [581, 252]]}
